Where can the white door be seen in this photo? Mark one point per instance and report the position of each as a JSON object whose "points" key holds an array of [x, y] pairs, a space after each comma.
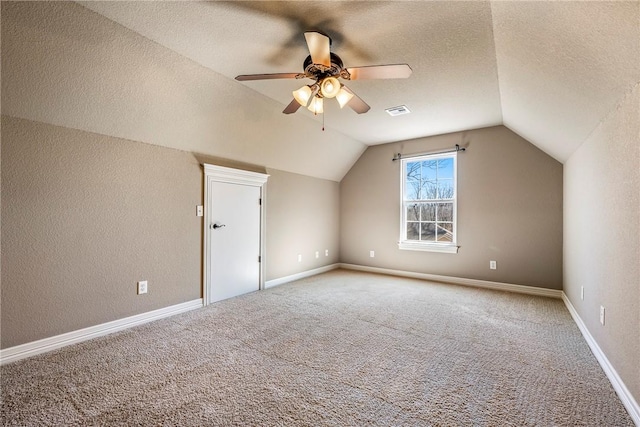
{"points": [[234, 230]]}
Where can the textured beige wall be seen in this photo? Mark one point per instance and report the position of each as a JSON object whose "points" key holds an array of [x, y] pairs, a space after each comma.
{"points": [[302, 217], [509, 210], [84, 217], [602, 236]]}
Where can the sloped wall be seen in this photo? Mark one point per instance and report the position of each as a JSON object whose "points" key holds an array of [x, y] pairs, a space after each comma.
{"points": [[66, 65], [509, 210]]}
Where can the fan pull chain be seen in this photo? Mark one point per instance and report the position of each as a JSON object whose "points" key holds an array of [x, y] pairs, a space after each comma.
{"points": [[323, 121]]}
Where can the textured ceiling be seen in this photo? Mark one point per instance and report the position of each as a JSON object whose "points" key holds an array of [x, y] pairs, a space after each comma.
{"points": [[563, 66], [449, 46], [548, 70], [162, 72]]}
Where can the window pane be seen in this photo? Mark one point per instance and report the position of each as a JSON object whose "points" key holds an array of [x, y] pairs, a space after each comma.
{"points": [[427, 231], [445, 189], [445, 232], [428, 212], [413, 171], [413, 212], [429, 170], [445, 168], [412, 190], [429, 190], [412, 231], [445, 212]]}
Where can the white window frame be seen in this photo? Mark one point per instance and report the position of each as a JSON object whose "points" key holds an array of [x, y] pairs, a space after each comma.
{"points": [[413, 245]]}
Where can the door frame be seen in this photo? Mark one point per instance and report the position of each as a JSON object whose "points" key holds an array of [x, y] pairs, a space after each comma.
{"points": [[213, 173]]}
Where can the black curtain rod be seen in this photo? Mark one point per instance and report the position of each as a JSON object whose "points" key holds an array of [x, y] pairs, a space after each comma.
{"points": [[399, 156]]}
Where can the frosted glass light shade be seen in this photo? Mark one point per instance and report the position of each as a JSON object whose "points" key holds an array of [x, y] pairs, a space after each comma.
{"points": [[343, 97], [330, 87], [302, 95], [316, 105]]}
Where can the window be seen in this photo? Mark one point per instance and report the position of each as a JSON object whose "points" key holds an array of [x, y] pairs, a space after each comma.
{"points": [[428, 218]]}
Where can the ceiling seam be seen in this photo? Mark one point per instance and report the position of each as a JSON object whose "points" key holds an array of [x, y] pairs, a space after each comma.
{"points": [[495, 55], [609, 113]]}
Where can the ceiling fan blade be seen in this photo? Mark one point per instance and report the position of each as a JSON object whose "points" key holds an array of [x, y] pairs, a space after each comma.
{"points": [[319, 47], [292, 107], [394, 71], [245, 77], [356, 103]]}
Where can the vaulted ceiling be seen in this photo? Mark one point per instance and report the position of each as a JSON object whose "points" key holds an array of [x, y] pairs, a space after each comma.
{"points": [[549, 71]]}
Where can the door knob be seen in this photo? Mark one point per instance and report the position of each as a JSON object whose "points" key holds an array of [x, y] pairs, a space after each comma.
{"points": [[216, 226]]}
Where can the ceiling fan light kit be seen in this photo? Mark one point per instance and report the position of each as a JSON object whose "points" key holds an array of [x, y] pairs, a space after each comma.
{"points": [[303, 95], [317, 105], [330, 87], [325, 67], [343, 97]]}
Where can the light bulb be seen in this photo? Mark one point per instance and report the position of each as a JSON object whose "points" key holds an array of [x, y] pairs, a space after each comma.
{"points": [[302, 95], [329, 87], [343, 97], [316, 105]]}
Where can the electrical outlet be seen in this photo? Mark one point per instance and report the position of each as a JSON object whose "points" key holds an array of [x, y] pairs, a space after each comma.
{"points": [[602, 315], [299, 258], [142, 287], [317, 254], [581, 292], [372, 254], [326, 252], [493, 265]]}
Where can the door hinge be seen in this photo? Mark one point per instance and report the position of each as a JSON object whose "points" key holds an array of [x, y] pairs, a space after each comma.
{"points": [[259, 258], [260, 202]]}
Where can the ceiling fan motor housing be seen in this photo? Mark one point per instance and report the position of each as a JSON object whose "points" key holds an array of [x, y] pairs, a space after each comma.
{"points": [[319, 71]]}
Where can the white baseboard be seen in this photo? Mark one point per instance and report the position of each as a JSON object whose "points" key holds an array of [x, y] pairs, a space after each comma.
{"points": [[298, 276], [618, 385], [530, 290], [23, 351]]}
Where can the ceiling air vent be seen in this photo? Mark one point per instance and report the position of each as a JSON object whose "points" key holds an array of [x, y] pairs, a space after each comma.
{"points": [[398, 111]]}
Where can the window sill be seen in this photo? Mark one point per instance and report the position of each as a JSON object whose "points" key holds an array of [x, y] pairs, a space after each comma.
{"points": [[429, 247]]}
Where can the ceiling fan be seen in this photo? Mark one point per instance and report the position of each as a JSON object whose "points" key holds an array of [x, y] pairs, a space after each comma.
{"points": [[325, 67]]}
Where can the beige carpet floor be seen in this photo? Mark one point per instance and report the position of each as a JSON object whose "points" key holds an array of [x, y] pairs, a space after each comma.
{"points": [[339, 349]]}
